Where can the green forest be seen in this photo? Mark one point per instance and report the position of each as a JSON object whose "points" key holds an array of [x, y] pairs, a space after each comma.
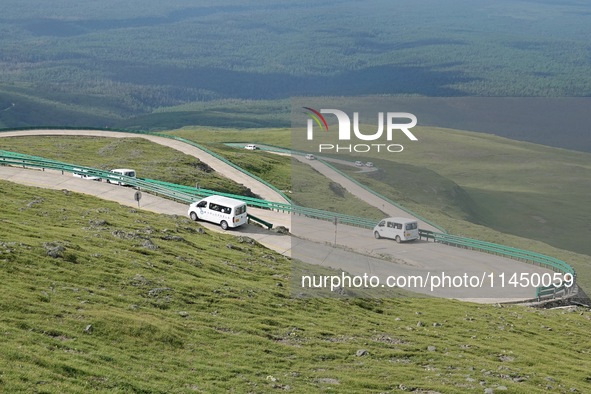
{"points": [[148, 64]]}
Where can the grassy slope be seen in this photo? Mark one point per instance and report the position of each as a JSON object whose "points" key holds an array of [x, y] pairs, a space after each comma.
{"points": [[477, 185], [316, 191], [196, 315], [150, 160]]}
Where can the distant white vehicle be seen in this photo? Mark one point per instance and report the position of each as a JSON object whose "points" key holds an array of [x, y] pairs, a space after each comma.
{"points": [[120, 171], [369, 164], [225, 211], [399, 229], [359, 163], [83, 174], [310, 156], [251, 147]]}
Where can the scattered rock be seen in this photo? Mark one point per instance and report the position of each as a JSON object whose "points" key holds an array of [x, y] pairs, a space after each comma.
{"points": [[139, 280], [436, 324], [232, 247], [248, 240], [420, 324], [271, 378], [431, 348], [184, 314], [201, 230], [38, 200], [361, 353], [502, 388], [488, 391], [89, 329], [66, 192], [148, 244], [157, 291], [173, 238], [98, 223], [54, 249], [506, 358], [280, 230]]}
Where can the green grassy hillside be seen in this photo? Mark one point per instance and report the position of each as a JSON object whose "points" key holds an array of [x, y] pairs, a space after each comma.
{"points": [[476, 185], [100, 297], [518, 188], [150, 160]]}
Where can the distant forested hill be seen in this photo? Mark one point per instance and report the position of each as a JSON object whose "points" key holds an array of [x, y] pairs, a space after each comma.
{"points": [[145, 63]]}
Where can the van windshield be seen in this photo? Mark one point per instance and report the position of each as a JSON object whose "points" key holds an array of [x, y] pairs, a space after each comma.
{"points": [[411, 226]]}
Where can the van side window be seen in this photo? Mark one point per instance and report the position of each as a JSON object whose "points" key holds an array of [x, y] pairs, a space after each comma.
{"points": [[390, 225], [240, 209], [411, 226], [398, 226]]}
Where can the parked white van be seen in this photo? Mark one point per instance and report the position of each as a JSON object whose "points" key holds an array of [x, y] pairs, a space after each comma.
{"points": [[225, 211], [400, 229], [121, 171]]}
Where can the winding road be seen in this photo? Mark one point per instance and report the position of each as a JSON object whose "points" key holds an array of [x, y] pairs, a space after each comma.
{"points": [[346, 248]]}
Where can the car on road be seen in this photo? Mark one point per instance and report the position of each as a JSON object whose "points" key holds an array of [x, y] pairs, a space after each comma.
{"points": [[310, 156], [118, 179], [369, 164], [251, 147], [397, 228], [359, 163], [225, 211]]}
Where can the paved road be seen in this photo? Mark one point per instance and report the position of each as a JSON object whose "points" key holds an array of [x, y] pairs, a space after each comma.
{"points": [[356, 251], [361, 193], [218, 165]]}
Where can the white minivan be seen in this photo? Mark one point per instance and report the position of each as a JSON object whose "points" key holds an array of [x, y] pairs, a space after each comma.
{"points": [[399, 229], [225, 211], [120, 171]]}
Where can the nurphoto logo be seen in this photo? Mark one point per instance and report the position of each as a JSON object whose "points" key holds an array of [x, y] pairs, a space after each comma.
{"points": [[393, 125]]}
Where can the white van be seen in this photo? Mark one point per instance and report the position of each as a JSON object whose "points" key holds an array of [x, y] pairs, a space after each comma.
{"points": [[251, 147], [80, 173], [400, 229], [121, 171], [225, 211]]}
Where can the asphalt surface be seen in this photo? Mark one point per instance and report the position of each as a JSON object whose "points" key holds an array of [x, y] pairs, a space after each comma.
{"points": [[313, 241]]}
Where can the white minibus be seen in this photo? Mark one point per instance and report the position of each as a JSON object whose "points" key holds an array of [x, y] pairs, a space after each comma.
{"points": [[225, 211], [399, 229], [120, 171]]}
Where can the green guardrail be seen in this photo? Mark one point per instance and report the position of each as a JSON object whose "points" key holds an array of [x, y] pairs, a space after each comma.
{"points": [[259, 220], [189, 194], [157, 134], [274, 148]]}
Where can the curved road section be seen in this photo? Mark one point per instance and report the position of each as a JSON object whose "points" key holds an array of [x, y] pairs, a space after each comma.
{"points": [[218, 165], [320, 243]]}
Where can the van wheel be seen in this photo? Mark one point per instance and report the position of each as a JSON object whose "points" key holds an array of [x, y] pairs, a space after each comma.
{"points": [[377, 235], [194, 216], [398, 239], [224, 225]]}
